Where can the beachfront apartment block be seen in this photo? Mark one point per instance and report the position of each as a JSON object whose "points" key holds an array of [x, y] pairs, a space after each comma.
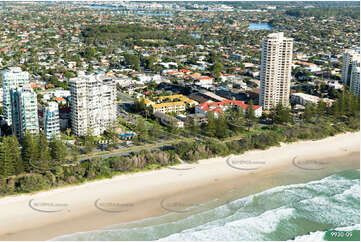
{"points": [[276, 63], [304, 98], [173, 103], [349, 56], [12, 77], [355, 77], [93, 104], [51, 121], [24, 111]]}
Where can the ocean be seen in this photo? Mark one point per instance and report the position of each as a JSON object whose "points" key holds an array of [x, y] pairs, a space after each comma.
{"points": [[301, 211]]}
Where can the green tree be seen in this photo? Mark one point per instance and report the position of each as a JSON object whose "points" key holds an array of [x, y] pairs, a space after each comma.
{"points": [[192, 126], [141, 130], [32, 183], [43, 159], [195, 128], [89, 52], [139, 105], [217, 68], [57, 150], [308, 112], [112, 134], [133, 61], [221, 126], [211, 125], [89, 142], [280, 114], [155, 131], [336, 109], [321, 107], [29, 151], [74, 153], [250, 115], [172, 127], [10, 157]]}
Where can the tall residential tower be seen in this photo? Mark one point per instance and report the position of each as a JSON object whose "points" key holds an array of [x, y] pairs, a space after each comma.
{"points": [[349, 56], [13, 77], [51, 121], [355, 77], [93, 104], [24, 109], [276, 62]]}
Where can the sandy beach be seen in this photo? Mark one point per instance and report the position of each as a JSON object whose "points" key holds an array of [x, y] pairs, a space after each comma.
{"points": [[94, 205]]}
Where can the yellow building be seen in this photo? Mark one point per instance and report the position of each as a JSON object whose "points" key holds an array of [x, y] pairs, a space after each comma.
{"points": [[175, 103], [169, 107]]}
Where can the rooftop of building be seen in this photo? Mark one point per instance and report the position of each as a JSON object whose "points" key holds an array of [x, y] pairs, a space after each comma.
{"points": [[217, 106], [167, 104], [278, 35], [306, 96]]}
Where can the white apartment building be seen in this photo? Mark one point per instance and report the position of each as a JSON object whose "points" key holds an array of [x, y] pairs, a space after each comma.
{"points": [[349, 56], [303, 98], [13, 77], [93, 104], [51, 121], [276, 62], [1, 97], [355, 77], [24, 108]]}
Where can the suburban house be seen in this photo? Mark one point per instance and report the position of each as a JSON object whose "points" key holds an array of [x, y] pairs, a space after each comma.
{"points": [[221, 107]]}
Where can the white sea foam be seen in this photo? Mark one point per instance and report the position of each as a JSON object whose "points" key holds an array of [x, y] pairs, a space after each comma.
{"points": [[279, 213], [246, 229]]}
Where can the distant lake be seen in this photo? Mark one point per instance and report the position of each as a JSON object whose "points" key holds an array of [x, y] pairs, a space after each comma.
{"points": [[259, 26]]}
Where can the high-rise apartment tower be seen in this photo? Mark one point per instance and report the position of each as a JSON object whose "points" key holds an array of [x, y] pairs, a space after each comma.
{"points": [[276, 62]]}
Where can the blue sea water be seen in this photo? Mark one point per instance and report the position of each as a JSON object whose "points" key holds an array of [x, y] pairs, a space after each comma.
{"points": [[290, 212]]}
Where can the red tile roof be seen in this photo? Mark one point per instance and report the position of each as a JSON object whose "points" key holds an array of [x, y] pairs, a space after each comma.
{"points": [[205, 78], [185, 71], [59, 99], [217, 106]]}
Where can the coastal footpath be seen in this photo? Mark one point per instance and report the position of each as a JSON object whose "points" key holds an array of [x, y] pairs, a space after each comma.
{"points": [[94, 205]]}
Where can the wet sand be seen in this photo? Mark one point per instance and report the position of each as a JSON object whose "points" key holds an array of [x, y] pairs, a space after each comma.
{"points": [[125, 198]]}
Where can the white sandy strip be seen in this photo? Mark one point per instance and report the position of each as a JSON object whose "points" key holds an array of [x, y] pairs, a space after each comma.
{"points": [[16, 215]]}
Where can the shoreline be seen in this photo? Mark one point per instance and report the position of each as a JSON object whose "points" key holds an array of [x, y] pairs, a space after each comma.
{"points": [[97, 204]]}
